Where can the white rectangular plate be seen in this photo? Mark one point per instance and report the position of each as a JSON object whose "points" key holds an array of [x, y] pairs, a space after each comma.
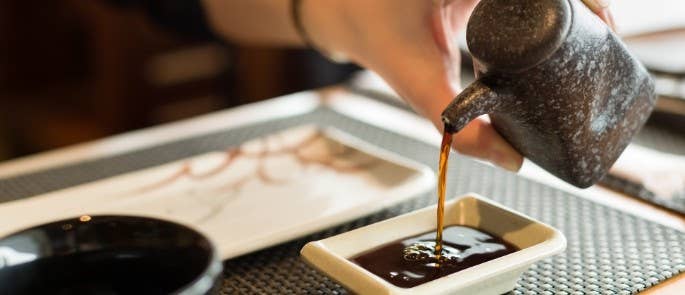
{"points": [[264, 192]]}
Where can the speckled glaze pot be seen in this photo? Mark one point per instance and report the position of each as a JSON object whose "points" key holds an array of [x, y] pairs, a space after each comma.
{"points": [[557, 84]]}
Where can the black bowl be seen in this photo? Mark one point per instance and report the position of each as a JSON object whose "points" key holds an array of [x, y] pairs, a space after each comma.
{"points": [[108, 255]]}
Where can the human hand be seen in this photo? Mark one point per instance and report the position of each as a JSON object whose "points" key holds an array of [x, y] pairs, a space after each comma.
{"points": [[412, 45]]}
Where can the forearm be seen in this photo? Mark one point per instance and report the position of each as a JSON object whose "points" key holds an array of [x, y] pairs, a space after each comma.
{"points": [[254, 22]]}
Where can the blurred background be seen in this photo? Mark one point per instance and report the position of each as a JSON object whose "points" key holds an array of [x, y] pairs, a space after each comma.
{"points": [[77, 70]]}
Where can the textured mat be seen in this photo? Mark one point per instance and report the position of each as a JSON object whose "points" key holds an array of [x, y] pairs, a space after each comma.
{"points": [[609, 252]]}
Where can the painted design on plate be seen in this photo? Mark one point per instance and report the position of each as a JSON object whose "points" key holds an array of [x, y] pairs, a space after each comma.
{"points": [[303, 164], [312, 148]]}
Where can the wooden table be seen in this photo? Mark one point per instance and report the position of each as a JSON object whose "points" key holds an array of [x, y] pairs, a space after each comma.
{"points": [[343, 101]]}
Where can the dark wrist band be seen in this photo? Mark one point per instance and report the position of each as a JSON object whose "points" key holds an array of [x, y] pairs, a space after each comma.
{"points": [[296, 15]]}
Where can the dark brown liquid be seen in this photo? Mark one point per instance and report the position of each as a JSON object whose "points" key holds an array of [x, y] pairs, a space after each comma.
{"points": [[416, 260], [412, 261], [442, 183]]}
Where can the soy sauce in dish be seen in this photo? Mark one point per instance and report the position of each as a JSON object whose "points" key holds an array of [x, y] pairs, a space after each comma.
{"points": [[416, 260], [412, 261]]}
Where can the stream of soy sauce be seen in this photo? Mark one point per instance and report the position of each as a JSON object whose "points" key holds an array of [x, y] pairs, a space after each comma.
{"points": [[431, 255], [442, 183]]}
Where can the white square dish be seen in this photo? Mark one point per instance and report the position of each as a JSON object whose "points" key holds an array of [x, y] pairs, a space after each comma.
{"points": [[535, 240]]}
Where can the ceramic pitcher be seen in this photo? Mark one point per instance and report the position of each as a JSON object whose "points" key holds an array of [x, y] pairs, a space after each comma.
{"points": [[557, 84]]}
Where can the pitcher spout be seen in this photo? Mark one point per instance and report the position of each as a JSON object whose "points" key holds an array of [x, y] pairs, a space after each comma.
{"points": [[476, 100]]}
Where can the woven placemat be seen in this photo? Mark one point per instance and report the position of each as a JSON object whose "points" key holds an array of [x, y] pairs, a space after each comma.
{"points": [[609, 252]]}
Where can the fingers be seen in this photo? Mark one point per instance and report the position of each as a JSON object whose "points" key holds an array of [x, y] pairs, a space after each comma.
{"points": [[414, 57], [425, 84], [479, 139], [601, 8]]}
